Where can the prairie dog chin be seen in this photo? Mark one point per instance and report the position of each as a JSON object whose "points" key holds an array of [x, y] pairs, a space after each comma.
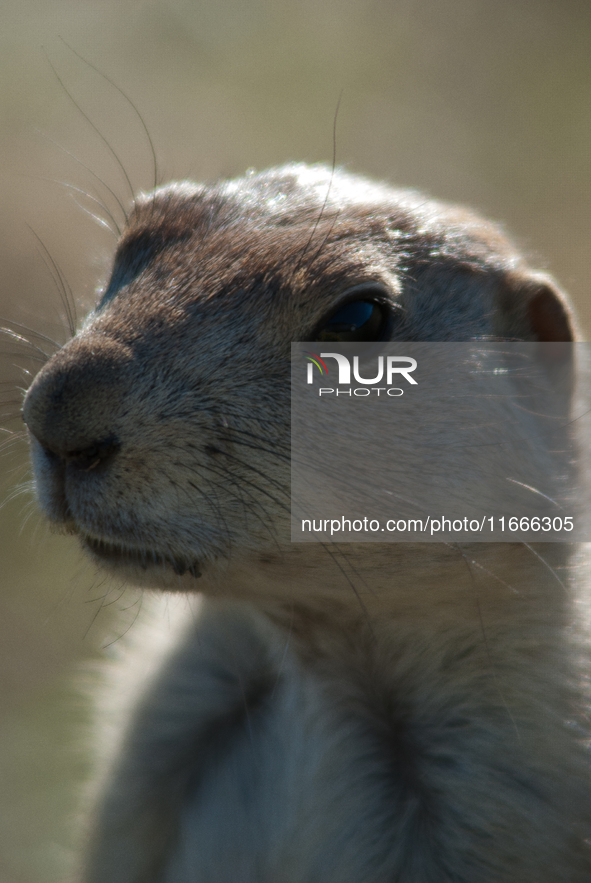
{"points": [[370, 712]]}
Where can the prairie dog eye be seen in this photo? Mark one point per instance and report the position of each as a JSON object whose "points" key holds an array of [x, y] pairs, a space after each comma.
{"points": [[362, 320]]}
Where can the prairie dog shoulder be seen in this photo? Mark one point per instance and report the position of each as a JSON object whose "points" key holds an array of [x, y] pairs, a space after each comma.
{"points": [[366, 713]]}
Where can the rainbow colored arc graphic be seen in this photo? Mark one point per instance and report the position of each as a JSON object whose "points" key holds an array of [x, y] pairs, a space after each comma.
{"points": [[316, 360]]}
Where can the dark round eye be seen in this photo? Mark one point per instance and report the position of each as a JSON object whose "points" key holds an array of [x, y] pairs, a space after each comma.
{"points": [[358, 320]]}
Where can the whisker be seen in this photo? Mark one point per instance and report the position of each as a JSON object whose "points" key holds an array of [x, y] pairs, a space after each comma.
{"points": [[324, 204], [11, 414], [97, 613], [484, 569], [33, 332], [547, 566], [277, 453], [95, 128], [129, 101], [100, 221], [262, 519], [19, 337], [216, 506], [87, 169], [276, 484], [33, 356], [534, 490], [61, 283], [491, 662], [227, 476], [14, 439], [326, 238], [87, 195], [329, 551]]}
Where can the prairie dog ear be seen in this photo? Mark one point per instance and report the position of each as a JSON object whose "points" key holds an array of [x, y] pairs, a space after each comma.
{"points": [[532, 307]]}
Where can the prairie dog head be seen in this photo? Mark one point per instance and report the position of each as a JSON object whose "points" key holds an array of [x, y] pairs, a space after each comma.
{"points": [[160, 432]]}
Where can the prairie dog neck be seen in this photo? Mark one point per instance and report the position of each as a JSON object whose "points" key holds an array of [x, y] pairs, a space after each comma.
{"points": [[383, 578]]}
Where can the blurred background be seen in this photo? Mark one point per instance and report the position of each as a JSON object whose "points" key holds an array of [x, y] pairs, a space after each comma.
{"points": [[471, 101]]}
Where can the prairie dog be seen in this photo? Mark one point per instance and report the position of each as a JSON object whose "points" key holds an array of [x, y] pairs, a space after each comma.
{"points": [[408, 712]]}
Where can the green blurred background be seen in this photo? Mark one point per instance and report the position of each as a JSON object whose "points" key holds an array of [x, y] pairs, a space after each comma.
{"points": [[472, 101]]}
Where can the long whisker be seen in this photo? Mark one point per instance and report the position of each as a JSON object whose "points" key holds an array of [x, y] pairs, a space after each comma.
{"points": [[87, 169], [33, 332], [274, 451], [326, 238], [253, 484], [87, 195], [100, 221], [327, 548], [95, 128], [61, 283], [332, 171], [216, 505], [36, 358], [239, 486], [276, 484], [19, 337], [13, 438], [547, 566], [491, 662], [129, 101]]}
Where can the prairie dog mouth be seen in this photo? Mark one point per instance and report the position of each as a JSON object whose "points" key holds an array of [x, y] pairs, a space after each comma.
{"points": [[117, 555]]}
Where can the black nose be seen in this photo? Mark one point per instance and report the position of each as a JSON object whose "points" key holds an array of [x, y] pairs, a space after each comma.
{"points": [[95, 455], [72, 405]]}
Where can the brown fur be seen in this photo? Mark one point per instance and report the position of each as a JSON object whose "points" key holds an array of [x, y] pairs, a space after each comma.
{"points": [[408, 712]]}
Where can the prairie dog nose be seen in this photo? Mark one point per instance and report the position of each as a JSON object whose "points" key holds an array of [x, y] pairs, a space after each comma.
{"points": [[71, 405], [97, 454]]}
